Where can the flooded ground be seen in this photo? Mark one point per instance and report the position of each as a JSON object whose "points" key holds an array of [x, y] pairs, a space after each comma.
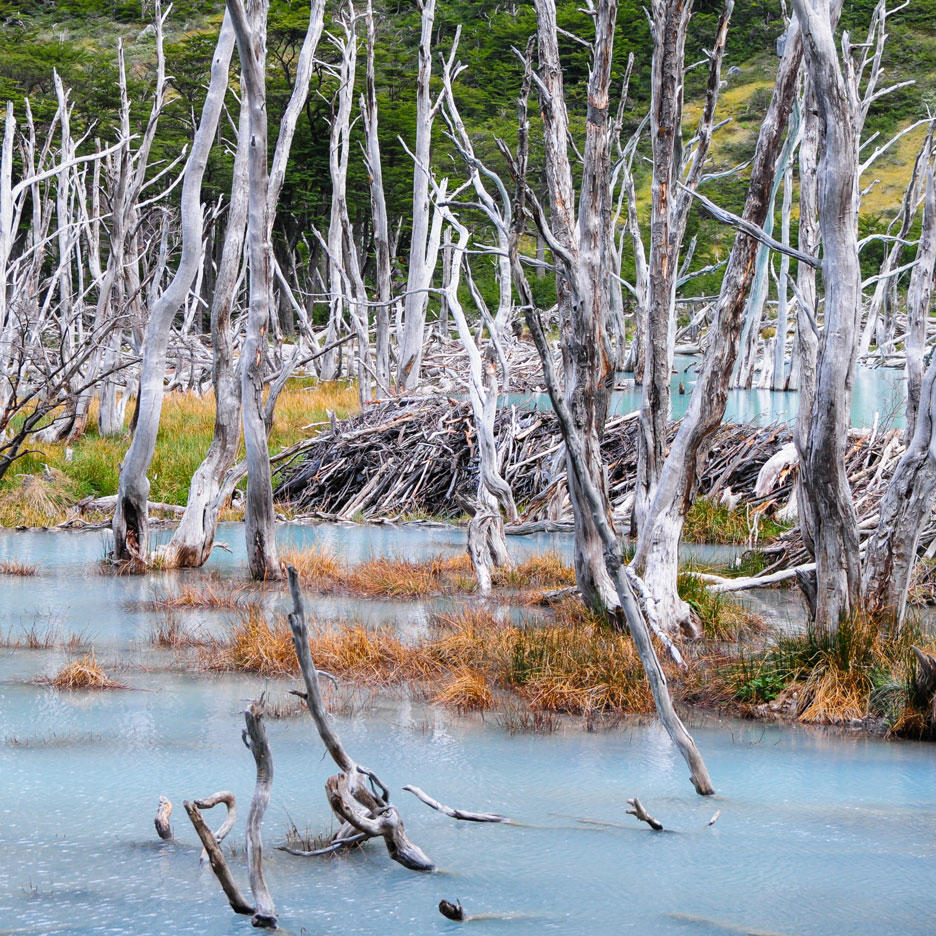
{"points": [[818, 832], [880, 391]]}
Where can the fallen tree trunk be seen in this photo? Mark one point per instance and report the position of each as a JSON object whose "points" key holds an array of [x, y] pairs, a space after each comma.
{"points": [[365, 809]]}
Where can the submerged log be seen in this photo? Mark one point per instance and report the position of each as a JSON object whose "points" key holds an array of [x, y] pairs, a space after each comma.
{"points": [[361, 807], [163, 812], [637, 809], [451, 911]]}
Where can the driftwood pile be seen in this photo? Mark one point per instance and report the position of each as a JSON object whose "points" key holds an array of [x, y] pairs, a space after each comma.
{"points": [[418, 456]]}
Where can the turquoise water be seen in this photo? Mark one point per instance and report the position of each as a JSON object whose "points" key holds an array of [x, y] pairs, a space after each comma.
{"points": [[818, 833], [71, 596], [880, 391]]}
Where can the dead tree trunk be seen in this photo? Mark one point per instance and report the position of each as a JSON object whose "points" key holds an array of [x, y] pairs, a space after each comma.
{"points": [[656, 556], [827, 499], [582, 279], [378, 214], [622, 579], [131, 523], [669, 213], [258, 520], [422, 258], [193, 539], [918, 297], [486, 543], [360, 807]]}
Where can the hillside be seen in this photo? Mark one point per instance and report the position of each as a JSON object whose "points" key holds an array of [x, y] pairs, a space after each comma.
{"points": [[79, 38]]}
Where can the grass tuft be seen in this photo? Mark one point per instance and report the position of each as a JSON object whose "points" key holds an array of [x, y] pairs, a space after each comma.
{"points": [[14, 567], [711, 522], [84, 673]]}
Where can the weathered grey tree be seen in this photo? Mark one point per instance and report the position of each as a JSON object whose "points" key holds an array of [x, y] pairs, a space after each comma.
{"points": [[131, 520], [583, 248], [656, 555], [259, 526]]}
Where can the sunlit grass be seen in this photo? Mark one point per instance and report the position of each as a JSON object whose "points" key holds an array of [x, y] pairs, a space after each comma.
{"points": [[185, 432], [84, 673]]}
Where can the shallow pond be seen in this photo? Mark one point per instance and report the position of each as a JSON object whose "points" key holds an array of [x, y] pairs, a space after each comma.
{"points": [[818, 832], [71, 595], [880, 391]]}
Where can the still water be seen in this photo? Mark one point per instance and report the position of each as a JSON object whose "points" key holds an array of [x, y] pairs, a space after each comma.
{"points": [[818, 833], [880, 391]]}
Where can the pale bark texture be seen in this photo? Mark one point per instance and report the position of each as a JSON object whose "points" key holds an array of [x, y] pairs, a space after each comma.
{"points": [[131, 523], [210, 488], [259, 524], [919, 293], [421, 256], [827, 506], [582, 247]]}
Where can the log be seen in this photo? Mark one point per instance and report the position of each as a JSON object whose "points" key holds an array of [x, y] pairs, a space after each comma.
{"points": [[453, 813], [216, 858], [255, 739], [637, 809], [366, 809], [163, 812]]}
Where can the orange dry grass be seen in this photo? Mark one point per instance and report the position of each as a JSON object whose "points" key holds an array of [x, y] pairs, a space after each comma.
{"points": [[466, 691], [14, 567], [84, 674], [543, 571], [319, 567], [395, 578], [206, 596], [576, 668]]}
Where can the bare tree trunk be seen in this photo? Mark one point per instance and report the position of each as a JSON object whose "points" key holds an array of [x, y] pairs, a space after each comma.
{"points": [[582, 278], [656, 556], [918, 299], [826, 492], [131, 523], [421, 264], [379, 214], [259, 524], [905, 510], [193, 539]]}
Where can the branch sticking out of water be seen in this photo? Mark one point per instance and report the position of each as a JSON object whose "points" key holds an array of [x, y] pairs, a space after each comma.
{"points": [[638, 810]]}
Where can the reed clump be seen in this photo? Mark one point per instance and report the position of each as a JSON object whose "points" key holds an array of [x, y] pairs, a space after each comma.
{"points": [[36, 500], [466, 659], [320, 568], [546, 570], [721, 618], [84, 673], [206, 596], [708, 521], [15, 567], [864, 669]]}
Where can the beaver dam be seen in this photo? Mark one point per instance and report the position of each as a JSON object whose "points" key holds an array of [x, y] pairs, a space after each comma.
{"points": [[411, 458]]}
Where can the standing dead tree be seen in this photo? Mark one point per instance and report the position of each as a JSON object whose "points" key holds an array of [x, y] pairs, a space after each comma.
{"points": [[131, 521], [657, 548], [583, 249], [262, 911], [215, 478], [675, 178], [250, 29], [424, 241]]}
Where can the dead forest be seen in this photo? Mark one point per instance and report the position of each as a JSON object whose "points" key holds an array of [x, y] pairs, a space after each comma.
{"points": [[123, 283]]}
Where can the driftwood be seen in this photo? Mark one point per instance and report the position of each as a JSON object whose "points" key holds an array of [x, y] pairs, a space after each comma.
{"points": [[451, 911], [357, 795], [164, 811], [637, 809], [453, 813], [261, 910], [238, 902]]}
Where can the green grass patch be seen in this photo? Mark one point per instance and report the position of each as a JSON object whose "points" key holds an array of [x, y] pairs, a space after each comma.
{"points": [[711, 522]]}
